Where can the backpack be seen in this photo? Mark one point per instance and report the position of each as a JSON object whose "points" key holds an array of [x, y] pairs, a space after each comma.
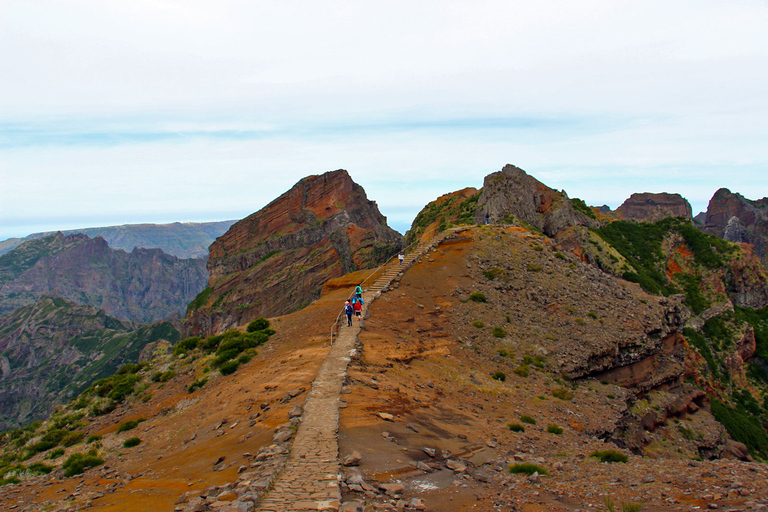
{"points": [[349, 309]]}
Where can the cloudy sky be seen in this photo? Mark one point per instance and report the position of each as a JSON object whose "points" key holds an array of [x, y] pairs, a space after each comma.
{"points": [[161, 110]]}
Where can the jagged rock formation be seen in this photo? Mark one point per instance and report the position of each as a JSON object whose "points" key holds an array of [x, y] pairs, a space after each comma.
{"points": [[737, 219], [276, 260], [142, 286], [512, 194], [180, 239], [456, 208], [648, 207], [53, 349]]}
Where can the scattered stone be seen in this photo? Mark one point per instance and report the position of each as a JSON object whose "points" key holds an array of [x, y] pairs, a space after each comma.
{"points": [[352, 506], [386, 416], [535, 478], [353, 459], [429, 451], [392, 489], [412, 427], [283, 436]]}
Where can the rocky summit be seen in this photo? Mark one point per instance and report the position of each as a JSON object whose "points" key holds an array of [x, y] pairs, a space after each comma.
{"points": [[737, 219], [277, 260], [144, 285], [648, 207]]}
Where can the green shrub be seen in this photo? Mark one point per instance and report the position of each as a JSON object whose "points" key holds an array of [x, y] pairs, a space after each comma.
{"points": [[163, 376], [687, 433], [516, 427], [592, 315], [498, 332], [197, 385], [93, 438], [742, 426], [522, 370], [78, 462], [502, 352], [259, 324], [244, 358], [534, 267], [559, 255], [38, 468], [478, 324], [562, 394], [527, 469], [527, 419], [500, 376], [223, 357], [478, 297], [49, 440], [131, 442], [81, 403], [72, 438], [493, 273], [186, 345], [609, 456], [55, 454], [104, 408], [625, 507], [229, 368], [129, 425], [554, 429]]}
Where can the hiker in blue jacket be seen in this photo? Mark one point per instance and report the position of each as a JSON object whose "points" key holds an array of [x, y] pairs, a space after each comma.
{"points": [[349, 310]]}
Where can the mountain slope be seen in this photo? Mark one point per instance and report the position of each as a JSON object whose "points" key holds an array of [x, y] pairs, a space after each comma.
{"points": [[180, 239], [277, 260], [737, 219], [52, 350], [143, 286]]}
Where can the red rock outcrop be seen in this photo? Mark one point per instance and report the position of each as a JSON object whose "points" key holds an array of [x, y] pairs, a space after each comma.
{"points": [[276, 260], [648, 207], [737, 219]]}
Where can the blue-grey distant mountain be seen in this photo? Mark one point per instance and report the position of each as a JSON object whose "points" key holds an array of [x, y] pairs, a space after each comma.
{"points": [[143, 285], [181, 239]]}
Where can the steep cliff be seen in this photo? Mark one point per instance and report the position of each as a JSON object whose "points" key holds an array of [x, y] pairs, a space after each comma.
{"points": [[53, 349], [276, 260], [648, 207], [737, 219], [511, 195], [180, 239], [143, 286]]}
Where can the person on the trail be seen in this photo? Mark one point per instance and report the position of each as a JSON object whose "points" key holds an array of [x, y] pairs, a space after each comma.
{"points": [[359, 291], [487, 219], [358, 307], [401, 257], [349, 309]]}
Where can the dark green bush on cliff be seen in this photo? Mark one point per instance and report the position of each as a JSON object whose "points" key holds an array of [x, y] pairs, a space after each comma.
{"points": [[259, 324], [78, 462], [742, 426]]}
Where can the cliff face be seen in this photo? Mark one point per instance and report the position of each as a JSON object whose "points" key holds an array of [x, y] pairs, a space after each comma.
{"points": [[512, 194], [53, 349], [647, 207], [276, 260], [143, 286], [737, 219], [180, 239]]}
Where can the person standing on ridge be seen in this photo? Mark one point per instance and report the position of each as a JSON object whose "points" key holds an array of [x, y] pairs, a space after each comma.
{"points": [[487, 218], [359, 291], [401, 257], [349, 309]]}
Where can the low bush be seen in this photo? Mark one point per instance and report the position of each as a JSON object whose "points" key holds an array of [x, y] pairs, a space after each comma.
{"points": [[500, 376], [502, 352], [131, 442], [38, 468], [229, 367], [554, 429], [562, 394], [55, 453], [78, 462], [93, 438], [129, 425], [516, 427], [522, 370], [186, 345], [534, 267], [259, 324], [609, 456], [478, 324], [72, 438], [527, 419], [527, 469], [498, 332], [163, 376], [199, 383], [478, 297], [105, 407]]}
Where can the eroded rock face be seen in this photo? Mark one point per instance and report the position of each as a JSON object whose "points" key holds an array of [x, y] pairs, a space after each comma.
{"points": [[737, 219], [648, 207], [141, 286], [276, 260], [513, 192]]}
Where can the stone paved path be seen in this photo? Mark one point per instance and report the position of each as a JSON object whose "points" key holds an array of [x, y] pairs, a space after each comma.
{"points": [[310, 478]]}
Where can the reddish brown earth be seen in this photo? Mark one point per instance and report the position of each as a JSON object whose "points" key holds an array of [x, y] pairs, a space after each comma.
{"points": [[649, 207]]}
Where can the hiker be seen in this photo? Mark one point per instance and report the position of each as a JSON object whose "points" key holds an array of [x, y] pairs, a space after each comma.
{"points": [[401, 257], [359, 291], [487, 219], [358, 307], [349, 309]]}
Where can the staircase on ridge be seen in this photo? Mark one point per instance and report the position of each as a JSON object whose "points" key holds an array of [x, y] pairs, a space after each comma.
{"points": [[395, 269]]}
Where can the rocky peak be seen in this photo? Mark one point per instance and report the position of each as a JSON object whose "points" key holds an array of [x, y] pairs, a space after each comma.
{"points": [[512, 192], [277, 259], [737, 219], [649, 207]]}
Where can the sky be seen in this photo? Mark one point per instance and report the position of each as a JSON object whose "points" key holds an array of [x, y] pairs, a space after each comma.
{"points": [[141, 111]]}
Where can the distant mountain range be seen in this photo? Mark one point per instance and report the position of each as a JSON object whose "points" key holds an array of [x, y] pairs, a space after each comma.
{"points": [[143, 285], [181, 239]]}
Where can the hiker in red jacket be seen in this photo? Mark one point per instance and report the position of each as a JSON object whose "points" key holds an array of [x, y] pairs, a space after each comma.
{"points": [[358, 306]]}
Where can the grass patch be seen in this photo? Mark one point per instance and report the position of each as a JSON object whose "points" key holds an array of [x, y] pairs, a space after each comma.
{"points": [[609, 456], [522, 370], [129, 425], [527, 469], [554, 429], [562, 394], [478, 297], [516, 427], [500, 376], [199, 383], [79, 462], [131, 442], [498, 332], [478, 324], [527, 419]]}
